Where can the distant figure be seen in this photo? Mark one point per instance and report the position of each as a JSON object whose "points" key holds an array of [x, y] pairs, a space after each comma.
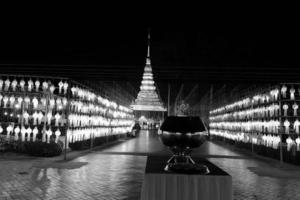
{"points": [[137, 126], [136, 129]]}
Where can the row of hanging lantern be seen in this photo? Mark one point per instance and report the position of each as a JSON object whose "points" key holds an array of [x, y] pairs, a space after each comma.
{"points": [[268, 140], [87, 95], [86, 108], [239, 104], [125, 109], [260, 139], [90, 108], [121, 122], [293, 107], [272, 141], [247, 102], [258, 99], [77, 120], [119, 114], [38, 117], [80, 134], [30, 134], [289, 92], [123, 125], [271, 126], [293, 143], [20, 133], [16, 102], [33, 86], [121, 130], [107, 103], [259, 112], [83, 94]]}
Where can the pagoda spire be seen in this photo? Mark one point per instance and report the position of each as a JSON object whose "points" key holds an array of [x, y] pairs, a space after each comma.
{"points": [[148, 60], [148, 52]]}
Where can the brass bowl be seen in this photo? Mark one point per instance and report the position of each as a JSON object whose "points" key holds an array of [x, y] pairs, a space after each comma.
{"points": [[181, 134], [182, 140]]}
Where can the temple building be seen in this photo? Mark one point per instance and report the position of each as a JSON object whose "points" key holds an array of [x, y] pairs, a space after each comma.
{"points": [[148, 107]]}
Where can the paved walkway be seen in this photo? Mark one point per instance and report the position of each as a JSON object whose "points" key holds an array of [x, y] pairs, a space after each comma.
{"points": [[116, 172]]}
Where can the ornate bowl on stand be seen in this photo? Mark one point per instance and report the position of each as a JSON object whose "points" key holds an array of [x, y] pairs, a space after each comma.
{"points": [[181, 134]]}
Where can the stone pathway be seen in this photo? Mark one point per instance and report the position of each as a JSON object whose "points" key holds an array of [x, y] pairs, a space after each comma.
{"points": [[116, 172]]}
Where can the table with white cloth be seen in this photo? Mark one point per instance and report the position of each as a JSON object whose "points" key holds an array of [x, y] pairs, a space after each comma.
{"points": [[161, 185]]}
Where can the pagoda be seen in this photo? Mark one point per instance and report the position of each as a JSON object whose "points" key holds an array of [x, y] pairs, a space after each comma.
{"points": [[148, 104]]}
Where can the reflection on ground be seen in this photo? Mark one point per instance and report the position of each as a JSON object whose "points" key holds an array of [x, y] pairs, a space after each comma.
{"points": [[116, 172]]}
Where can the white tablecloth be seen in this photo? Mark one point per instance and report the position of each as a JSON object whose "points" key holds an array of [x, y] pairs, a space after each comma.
{"points": [[186, 187]]}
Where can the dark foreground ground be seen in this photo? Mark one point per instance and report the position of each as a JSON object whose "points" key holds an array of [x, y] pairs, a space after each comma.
{"points": [[116, 172]]}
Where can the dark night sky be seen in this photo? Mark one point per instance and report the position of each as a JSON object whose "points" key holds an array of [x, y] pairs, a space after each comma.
{"points": [[243, 54], [127, 47]]}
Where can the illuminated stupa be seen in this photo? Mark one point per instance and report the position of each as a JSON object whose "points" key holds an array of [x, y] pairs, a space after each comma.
{"points": [[148, 99]]}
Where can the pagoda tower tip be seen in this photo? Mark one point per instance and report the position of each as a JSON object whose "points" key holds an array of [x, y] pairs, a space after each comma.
{"points": [[148, 61]]}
